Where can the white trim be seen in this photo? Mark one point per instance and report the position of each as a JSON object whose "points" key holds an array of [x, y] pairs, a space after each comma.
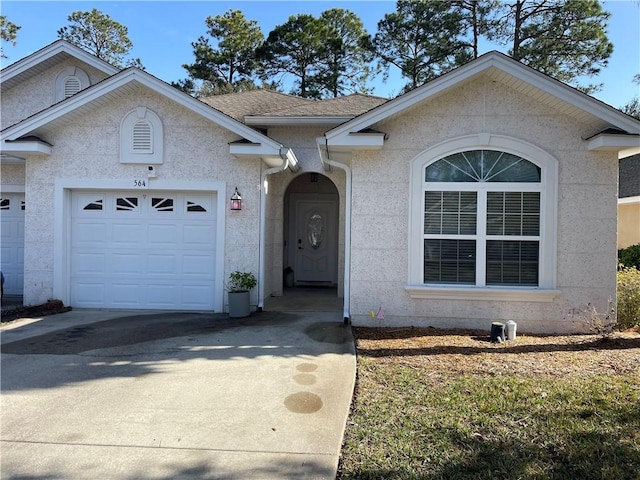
{"points": [[12, 188], [25, 148], [299, 120], [548, 199], [480, 294], [628, 200], [124, 78], [482, 64], [62, 225], [57, 47]]}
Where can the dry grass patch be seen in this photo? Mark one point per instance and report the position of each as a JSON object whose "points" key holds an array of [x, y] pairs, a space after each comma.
{"points": [[433, 404]]}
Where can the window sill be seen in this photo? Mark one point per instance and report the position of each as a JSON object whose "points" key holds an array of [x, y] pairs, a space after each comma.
{"points": [[482, 293]]}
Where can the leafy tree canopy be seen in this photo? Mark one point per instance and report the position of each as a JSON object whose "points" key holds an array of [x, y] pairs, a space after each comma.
{"points": [[230, 64], [423, 38], [8, 32], [97, 33]]}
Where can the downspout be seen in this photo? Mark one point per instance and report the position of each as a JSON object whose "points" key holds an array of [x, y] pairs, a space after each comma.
{"points": [[286, 155], [326, 162]]}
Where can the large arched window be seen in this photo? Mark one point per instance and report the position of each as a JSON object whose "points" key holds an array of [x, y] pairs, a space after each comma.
{"points": [[483, 216]]}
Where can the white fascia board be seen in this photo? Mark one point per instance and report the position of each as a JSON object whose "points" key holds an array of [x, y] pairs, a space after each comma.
{"points": [[357, 141], [253, 150], [625, 145], [134, 75], [506, 64], [304, 120], [629, 200], [49, 51], [24, 149]]}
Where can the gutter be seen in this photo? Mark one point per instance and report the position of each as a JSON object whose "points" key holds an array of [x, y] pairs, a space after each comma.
{"points": [[327, 164], [290, 162]]}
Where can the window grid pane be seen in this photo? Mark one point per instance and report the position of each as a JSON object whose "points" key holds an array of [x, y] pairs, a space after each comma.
{"points": [[450, 213], [450, 261], [513, 213], [511, 262]]}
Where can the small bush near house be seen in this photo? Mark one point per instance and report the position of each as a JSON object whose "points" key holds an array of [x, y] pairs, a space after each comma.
{"points": [[628, 297], [630, 256]]}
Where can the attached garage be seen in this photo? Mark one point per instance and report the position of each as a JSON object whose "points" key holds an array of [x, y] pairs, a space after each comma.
{"points": [[12, 237], [143, 250]]}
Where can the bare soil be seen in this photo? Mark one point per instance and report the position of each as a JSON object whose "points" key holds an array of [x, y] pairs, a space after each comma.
{"points": [[49, 308], [445, 352]]}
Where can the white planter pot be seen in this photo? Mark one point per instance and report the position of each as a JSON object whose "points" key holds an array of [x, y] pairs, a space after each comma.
{"points": [[239, 304]]}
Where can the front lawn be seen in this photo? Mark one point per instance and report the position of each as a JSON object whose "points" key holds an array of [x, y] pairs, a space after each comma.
{"points": [[446, 405]]}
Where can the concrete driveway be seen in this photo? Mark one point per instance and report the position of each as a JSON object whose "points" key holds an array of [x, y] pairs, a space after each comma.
{"points": [[130, 395]]}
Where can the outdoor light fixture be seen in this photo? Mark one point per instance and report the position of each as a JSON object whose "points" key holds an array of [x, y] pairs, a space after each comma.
{"points": [[236, 201]]}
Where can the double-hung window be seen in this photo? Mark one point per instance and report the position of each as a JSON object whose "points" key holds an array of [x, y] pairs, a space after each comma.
{"points": [[481, 220]]}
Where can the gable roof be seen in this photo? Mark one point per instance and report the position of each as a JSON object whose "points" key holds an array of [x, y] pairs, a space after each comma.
{"points": [[505, 69], [47, 57], [125, 83]]}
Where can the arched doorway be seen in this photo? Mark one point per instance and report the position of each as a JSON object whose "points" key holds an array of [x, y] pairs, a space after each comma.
{"points": [[311, 220]]}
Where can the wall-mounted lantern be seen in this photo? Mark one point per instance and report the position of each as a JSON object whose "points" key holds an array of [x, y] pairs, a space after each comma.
{"points": [[236, 201]]}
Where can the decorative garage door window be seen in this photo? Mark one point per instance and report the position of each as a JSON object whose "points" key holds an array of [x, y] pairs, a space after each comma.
{"points": [[481, 223], [162, 204], [195, 207], [5, 204], [22, 205], [94, 205], [126, 203], [315, 230]]}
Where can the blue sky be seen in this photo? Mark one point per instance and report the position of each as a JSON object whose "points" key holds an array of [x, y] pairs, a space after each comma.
{"points": [[162, 32]]}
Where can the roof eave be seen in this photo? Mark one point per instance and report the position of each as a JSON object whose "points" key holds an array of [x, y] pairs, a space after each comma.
{"points": [[625, 145], [20, 150]]}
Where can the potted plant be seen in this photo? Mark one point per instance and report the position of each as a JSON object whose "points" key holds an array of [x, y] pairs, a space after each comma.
{"points": [[239, 287]]}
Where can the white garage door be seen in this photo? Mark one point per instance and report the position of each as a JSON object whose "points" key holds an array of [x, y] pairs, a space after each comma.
{"points": [[12, 238], [151, 250]]}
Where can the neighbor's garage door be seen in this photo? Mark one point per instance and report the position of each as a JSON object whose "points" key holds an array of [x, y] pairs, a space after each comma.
{"points": [[143, 250], [12, 238]]}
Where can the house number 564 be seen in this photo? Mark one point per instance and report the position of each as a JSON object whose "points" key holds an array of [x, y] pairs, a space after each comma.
{"points": [[139, 183]]}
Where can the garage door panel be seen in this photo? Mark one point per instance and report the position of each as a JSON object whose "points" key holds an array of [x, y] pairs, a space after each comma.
{"points": [[89, 264], [125, 234], [157, 254], [127, 263], [162, 264], [12, 208]]}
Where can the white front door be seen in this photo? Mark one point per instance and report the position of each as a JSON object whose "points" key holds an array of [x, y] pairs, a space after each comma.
{"points": [[315, 239], [12, 237], [152, 250]]}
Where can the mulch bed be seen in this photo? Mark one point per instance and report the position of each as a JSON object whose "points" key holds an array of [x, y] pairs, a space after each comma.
{"points": [[447, 352], [49, 308]]}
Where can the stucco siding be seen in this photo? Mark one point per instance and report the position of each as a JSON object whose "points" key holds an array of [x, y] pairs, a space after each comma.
{"points": [[38, 93], [88, 148], [586, 212]]}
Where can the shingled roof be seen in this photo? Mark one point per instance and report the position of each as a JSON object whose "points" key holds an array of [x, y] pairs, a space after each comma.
{"points": [[267, 103], [253, 102]]}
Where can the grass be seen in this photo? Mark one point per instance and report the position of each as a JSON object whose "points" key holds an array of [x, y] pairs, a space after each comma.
{"points": [[410, 423]]}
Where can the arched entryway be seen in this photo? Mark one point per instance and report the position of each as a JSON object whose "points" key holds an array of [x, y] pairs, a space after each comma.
{"points": [[311, 243]]}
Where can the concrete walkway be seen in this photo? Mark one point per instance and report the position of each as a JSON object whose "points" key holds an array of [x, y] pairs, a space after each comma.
{"points": [[115, 395]]}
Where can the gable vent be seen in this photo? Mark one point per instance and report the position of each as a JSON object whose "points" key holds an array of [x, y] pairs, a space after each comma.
{"points": [[71, 86], [142, 141]]}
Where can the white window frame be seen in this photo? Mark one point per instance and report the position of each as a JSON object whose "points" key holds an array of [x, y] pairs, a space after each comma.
{"points": [[149, 156], [548, 188]]}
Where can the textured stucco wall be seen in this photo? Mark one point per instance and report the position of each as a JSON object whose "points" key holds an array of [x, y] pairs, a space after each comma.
{"points": [[303, 142], [586, 212], [195, 149], [12, 175], [38, 93]]}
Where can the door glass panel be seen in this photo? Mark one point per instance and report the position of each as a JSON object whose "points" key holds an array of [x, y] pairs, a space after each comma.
{"points": [[315, 230]]}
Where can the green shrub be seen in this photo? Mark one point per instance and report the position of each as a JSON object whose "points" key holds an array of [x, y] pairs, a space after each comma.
{"points": [[630, 256], [628, 297]]}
